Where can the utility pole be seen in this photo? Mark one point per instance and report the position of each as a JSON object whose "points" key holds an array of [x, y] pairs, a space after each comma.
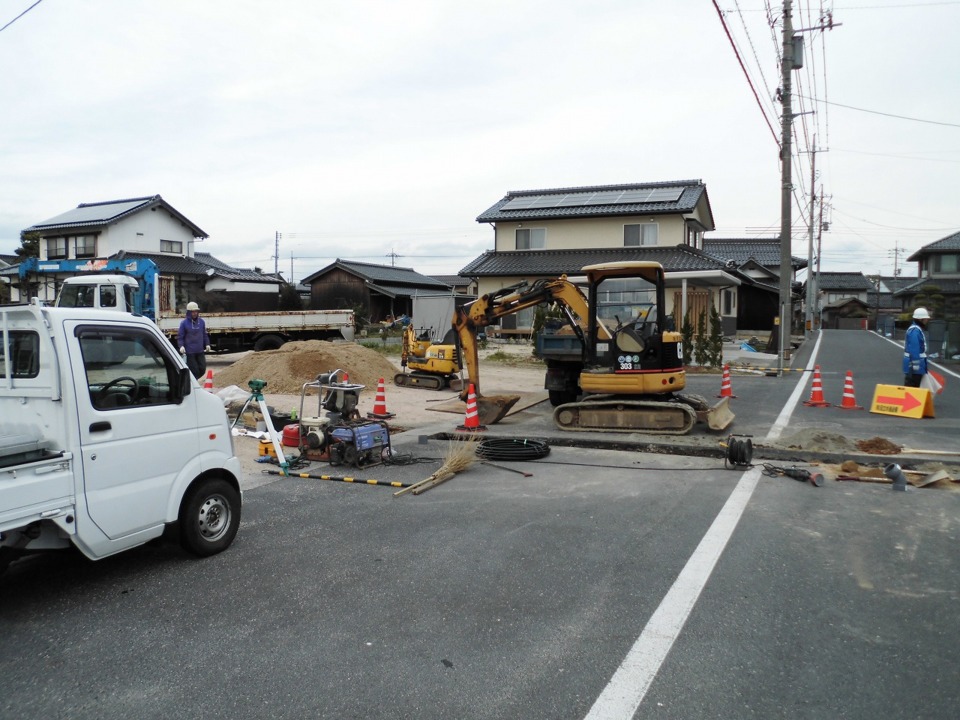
{"points": [[786, 185], [276, 254], [813, 199]]}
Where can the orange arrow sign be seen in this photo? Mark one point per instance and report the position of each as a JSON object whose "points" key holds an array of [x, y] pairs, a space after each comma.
{"points": [[902, 401], [907, 403]]}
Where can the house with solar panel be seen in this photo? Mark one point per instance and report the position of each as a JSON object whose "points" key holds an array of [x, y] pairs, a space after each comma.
{"points": [[547, 233], [144, 227]]}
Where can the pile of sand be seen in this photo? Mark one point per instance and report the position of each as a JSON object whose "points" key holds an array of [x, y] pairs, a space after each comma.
{"points": [[287, 369]]}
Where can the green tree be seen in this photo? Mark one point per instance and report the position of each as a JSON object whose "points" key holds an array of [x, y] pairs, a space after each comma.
{"points": [[29, 245], [686, 335], [701, 350], [715, 341], [289, 298]]}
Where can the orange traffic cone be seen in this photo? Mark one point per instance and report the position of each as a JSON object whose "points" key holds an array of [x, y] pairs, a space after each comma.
{"points": [[471, 422], [849, 401], [380, 404], [816, 392], [726, 390], [208, 381]]}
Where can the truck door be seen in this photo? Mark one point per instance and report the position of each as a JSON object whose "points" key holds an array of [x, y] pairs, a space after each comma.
{"points": [[135, 439]]}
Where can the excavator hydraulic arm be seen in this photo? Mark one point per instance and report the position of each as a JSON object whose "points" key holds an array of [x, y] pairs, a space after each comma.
{"points": [[470, 320]]}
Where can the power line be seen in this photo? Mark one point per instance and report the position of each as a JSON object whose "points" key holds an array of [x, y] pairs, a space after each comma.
{"points": [[745, 73], [20, 15], [877, 112]]}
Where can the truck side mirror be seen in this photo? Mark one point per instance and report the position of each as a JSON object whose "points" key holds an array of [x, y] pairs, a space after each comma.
{"points": [[184, 384]]}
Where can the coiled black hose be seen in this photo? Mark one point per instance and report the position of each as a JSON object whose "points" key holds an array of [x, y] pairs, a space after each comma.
{"points": [[739, 452], [512, 449]]}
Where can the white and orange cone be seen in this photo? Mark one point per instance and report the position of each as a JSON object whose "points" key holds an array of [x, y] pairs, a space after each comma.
{"points": [[726, 389], [471, 423], [816, 392], [208, 381], [849, 401], [380, 404]]}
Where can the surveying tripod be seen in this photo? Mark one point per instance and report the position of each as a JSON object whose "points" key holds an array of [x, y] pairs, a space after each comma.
{"points": [[256, 393]]}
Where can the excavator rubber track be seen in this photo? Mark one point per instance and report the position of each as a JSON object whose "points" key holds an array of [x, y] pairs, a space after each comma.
{"points": [[657, 417], [420, 380]]}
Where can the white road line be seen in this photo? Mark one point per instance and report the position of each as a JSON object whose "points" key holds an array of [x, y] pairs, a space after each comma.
{"points": [[784, 417], [629, 684]]}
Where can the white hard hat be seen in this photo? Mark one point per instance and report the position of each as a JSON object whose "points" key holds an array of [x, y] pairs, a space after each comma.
{"points": [[921, 314], [191, 306]]}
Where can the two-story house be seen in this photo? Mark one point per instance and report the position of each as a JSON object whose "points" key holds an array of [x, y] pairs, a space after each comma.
{"points": [[844, 299], [938, 288], [552, 232], [147, 227]]}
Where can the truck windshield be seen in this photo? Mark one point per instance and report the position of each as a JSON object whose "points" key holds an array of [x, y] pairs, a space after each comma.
{"points": [[79, 296]]}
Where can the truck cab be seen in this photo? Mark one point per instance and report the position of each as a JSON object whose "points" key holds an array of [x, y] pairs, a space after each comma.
{"points": [[102, 292], [106, 438]]}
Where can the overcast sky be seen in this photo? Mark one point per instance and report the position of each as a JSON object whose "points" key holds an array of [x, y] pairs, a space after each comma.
{"points": [[378, 131]]}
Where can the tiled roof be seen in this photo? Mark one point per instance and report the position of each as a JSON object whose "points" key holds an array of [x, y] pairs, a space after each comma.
{"points": [[948, 286], [382, 274], [853, 281], [200, 264], [763, 251], [951, 243], [692, 192], [9, 259], [93, 215], [675, 258], [410, 291], [892, 283], [451, 280]]}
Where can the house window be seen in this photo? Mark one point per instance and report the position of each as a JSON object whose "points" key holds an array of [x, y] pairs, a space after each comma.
{"points": [[729, 302], [637, 235], [945, 263], [86, 246], [171, 246], [56, 248], [693, 238], [531, 239]]}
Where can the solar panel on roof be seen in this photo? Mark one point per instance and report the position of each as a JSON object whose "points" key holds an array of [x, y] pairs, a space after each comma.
{"points": [[602, 197]]}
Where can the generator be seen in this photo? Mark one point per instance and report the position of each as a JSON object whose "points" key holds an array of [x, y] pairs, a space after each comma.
{"points": [[358, 444], [339, 436]]}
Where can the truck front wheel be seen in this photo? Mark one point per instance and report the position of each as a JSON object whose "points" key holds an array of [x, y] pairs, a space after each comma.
{"points": [[268, 342], [209, 517]]}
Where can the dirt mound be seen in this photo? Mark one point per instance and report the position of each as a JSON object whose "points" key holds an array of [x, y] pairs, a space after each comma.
{"points": [[288, 368], [878, 446]]}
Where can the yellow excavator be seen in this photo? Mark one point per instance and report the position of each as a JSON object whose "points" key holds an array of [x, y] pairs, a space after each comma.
{"points": [[616, 368], [432, 366]]}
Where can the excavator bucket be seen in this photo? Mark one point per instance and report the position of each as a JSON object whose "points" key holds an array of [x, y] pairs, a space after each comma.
{"points": [[491, 409], [717, 417]]}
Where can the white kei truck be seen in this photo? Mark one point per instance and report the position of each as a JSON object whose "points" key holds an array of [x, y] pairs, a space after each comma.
{"points": [[106, 439]]}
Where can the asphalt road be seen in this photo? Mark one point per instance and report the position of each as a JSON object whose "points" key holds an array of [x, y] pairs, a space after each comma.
{"points": [[610, 584]]}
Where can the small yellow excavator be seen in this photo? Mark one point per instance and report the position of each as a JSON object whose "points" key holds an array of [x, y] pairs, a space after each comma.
{"points": [[617, 368], [432, 366]]}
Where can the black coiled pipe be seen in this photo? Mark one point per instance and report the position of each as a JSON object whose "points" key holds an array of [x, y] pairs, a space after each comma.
{"points": [[512, 449]]}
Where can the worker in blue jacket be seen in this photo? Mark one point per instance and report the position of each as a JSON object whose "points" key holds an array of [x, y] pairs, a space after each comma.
{"points": [[915, 349], [194, 341]]}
